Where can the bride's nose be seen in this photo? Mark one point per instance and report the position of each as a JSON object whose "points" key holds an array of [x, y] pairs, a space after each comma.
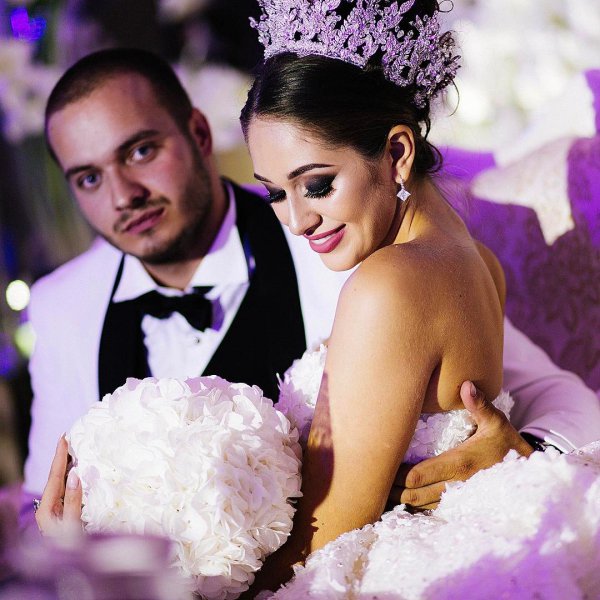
{"points": [[302, 218]]}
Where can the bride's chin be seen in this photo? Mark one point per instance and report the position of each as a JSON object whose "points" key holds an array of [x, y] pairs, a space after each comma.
{"points": [[338, 263]]}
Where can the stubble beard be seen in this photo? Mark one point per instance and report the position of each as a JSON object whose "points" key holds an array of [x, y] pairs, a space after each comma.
{"points": [[196, 206]]}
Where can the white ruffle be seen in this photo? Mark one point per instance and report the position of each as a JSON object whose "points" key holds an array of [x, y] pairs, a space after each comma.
{"points": [[299, 389], [437, 432], [523, 529]]}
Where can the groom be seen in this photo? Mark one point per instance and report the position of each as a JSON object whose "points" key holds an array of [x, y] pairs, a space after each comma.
{"points": [[192, 274]]}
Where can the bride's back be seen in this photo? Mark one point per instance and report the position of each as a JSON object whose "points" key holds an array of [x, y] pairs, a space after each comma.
{"points": [[451, 290]]}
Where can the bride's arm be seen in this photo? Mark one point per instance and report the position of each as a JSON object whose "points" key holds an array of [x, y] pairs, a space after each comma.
{"points": [[378, 367]]}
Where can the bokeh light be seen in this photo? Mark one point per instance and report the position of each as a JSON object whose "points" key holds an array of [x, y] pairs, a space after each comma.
{"points": [[17, 295], [24, 338]]}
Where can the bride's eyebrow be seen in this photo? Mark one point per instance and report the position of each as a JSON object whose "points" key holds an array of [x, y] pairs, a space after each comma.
{"points": [[296, 172]]}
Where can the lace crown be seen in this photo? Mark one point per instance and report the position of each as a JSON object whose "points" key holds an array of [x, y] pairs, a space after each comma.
{"points": [[420, 56]]}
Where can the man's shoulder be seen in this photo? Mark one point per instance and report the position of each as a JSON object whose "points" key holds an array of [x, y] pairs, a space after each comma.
{"points": [[81, 275]]}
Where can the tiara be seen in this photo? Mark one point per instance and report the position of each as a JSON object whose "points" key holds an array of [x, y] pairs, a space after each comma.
{"points": [[419, 56]]}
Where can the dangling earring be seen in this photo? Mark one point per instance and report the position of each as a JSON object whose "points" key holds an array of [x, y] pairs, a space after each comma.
{"points": [[403, 193]]}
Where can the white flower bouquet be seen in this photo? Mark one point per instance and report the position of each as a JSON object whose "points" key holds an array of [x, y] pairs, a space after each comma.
{"points": [[207, 463]]}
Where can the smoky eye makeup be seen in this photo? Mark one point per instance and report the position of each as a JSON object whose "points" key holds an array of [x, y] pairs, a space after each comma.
{"points": [[315, 187], [319, 187], [273, 196]]}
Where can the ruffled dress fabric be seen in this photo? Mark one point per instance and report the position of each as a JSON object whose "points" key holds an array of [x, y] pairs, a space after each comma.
{"points": [[523, 529]]}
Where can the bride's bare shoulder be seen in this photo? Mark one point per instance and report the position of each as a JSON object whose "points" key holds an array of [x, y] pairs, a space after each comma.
{"points": [[395, 279], [425, 277]]}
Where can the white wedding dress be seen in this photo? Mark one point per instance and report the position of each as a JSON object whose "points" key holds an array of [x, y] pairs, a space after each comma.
{"points": [[523, 529]]}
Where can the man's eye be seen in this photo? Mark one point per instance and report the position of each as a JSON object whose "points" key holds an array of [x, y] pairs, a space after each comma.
{"points": [[89, 181], [142, 153]]}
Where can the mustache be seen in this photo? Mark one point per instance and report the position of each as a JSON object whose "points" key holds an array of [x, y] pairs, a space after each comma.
{"points": [[130, 215]]}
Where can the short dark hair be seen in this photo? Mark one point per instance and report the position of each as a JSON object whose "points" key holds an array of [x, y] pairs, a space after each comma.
{"points": [[87, 74], [342, 103]]}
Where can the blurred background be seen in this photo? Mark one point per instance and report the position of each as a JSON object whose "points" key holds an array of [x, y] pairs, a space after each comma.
{"points": [[519, 57]]}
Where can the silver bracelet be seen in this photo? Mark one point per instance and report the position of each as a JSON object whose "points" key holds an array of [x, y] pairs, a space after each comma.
{"points": [[36, 504]]}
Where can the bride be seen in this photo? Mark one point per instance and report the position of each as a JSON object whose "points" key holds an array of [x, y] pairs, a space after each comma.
{"points": [[336, 125]]}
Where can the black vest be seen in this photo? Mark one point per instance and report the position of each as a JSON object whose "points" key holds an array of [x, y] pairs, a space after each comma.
{"points": [[266, 335]]}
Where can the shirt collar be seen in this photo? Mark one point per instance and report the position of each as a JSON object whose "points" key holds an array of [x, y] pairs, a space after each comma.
{"points": [[225, 262]]}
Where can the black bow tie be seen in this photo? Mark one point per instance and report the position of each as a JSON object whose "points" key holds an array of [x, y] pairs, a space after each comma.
{"points": [[194, 307]]}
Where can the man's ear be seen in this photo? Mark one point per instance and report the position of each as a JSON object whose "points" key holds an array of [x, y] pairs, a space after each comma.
{"points": [[200, 132], [401, 149]]}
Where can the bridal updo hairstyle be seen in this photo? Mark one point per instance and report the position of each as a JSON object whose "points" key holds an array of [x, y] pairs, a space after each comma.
{"points": [[342, 103]]}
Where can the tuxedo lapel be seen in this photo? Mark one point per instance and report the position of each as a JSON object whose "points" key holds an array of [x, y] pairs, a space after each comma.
{"points": [[122, 351], [267, 333]]}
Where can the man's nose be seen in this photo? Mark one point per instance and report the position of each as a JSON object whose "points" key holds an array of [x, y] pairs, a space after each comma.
{"points": [[127, 192], [302, 218]]}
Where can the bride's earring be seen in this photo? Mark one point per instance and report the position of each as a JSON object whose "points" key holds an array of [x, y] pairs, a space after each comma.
{"points": [[403, 193]]}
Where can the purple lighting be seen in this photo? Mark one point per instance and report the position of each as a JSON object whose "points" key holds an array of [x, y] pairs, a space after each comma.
{"points": [[25, 27], [8, 356]]}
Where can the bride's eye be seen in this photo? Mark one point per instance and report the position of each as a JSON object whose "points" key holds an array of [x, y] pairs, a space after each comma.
{"points": [[274, 196], [320, 187]]}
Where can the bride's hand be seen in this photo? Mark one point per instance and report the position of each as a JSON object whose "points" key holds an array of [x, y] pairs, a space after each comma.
{"points": [[61, 501], [421, 485]]}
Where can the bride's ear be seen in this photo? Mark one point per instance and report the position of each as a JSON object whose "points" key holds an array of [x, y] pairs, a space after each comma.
{"points": [[401, 149]]}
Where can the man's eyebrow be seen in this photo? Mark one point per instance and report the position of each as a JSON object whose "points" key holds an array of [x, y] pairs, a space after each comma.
{"points": [[78, 169], [121, 149], [295, 172], [135, 138]]}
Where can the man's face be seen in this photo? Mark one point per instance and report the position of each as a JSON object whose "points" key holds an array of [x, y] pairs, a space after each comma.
{"points": [[139, 180]]}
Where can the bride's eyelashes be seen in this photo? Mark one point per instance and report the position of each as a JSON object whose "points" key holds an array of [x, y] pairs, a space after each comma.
{"points": [[273, 197], [320, 187]]}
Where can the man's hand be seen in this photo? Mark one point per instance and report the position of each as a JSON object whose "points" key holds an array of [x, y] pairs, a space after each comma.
{"points": [[421, 485], [61, 501]]}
